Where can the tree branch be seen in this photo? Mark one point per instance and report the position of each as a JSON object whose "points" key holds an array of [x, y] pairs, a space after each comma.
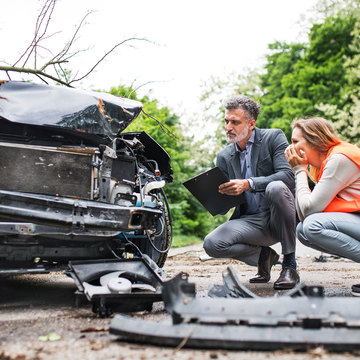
{"points": [[35, 72], [36, 39], [56, 61], [106, 54], [162, 126], [68, 45]]}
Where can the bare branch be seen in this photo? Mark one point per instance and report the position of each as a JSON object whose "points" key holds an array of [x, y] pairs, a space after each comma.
{"points": [[51, 35], [35, 72], [51, 63], [106, 54], [34, 42], [68, 45], [43, 80], [64, 74], [50, 8], [67, 58], [74, 77], [56, 61], [140, 86], [57, 73], [162, 126]]}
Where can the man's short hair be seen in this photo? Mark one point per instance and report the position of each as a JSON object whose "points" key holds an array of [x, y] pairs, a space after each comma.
{"points": [[249, 105]]}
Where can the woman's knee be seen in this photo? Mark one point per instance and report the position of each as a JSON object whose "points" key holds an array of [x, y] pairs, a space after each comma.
{"points": [[300, 235], [311, 226], [299, 231], [310, 230]]}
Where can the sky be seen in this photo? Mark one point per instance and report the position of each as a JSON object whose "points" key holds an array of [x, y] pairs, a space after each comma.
{"points": [[187, 41]]}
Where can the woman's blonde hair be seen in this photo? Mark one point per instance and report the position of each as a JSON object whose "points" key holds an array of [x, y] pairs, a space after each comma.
{"points": [[320, 134]]}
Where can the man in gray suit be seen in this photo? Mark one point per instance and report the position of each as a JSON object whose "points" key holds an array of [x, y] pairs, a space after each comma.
{"points": [[257, 168]]}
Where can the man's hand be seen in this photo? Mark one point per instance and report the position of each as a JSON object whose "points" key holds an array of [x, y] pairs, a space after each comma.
{"points": [[234, 187]]}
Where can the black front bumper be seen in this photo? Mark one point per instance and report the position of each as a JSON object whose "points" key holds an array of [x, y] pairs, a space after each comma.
{"points": [[73, 213]]}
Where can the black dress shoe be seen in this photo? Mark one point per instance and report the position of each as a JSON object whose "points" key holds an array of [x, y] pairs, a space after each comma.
{"points": [[355, 290], [264, 268], [287, 280]]}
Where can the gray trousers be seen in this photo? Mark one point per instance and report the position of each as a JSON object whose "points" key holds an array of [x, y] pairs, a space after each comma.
{"points": [[332, 232], [242, 238]]}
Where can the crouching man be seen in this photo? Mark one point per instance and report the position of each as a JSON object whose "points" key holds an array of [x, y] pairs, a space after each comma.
{"points": [[255, 163]]}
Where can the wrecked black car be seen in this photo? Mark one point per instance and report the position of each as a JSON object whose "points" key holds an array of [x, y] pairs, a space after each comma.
{"points": [[73, 185]]}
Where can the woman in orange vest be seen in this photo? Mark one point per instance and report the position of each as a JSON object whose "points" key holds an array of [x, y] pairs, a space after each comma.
{"points": [[330, 213]]}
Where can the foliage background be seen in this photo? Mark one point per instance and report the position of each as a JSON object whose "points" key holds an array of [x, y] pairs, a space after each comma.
{"points": [[317, 78]]}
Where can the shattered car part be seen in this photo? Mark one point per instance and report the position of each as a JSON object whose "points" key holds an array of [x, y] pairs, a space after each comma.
{"points": [[140, 281], [292, 321], [91, 112], [231, 337], [63, 211], [232, 287], [74, 187]]}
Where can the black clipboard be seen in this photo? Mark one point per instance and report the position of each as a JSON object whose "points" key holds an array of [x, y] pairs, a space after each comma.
{"points": [[205, 188]]}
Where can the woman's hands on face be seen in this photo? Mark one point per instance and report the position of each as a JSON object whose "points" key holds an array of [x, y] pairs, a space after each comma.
{"points": [[294, 157]]}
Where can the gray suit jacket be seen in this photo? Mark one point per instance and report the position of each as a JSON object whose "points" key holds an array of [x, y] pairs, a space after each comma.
{"points": [[268, 163]]}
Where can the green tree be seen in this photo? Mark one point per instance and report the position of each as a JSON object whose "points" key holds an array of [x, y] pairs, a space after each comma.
{"points": [[347, 118], [320, 75], [279, 101], [300, 77]]}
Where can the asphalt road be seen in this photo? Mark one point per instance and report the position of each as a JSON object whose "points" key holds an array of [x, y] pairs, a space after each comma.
{"points": [[41, 319]]}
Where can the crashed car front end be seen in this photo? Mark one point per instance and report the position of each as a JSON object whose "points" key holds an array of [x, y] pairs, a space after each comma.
{"points": [[73, 186]]}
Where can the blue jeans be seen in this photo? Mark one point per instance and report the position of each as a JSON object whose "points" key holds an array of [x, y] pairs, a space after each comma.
{"points": [[332, 232]]}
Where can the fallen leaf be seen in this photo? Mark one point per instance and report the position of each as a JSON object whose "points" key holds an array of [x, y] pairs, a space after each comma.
{"points": [[317, 352], [50, 337], [94, 329], [97, 346]]}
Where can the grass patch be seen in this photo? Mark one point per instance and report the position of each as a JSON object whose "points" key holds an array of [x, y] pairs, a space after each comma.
{"points": [[185, 240]]}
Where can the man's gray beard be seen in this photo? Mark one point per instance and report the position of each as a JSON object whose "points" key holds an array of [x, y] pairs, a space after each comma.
{"points": [[238, 137]]}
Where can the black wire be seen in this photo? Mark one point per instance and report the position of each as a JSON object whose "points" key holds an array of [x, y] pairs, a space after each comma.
{"points": [[137, 171], [168, 209], [152, 162], [112, 251], [128, 241], [166, 203], [171, 228], [131, 243]]}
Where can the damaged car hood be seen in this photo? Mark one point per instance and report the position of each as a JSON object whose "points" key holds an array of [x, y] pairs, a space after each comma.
{"points": [[55, 106]]}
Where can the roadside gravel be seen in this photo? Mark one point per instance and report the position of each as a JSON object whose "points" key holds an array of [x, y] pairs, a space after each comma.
{"points": [[39, 317]]}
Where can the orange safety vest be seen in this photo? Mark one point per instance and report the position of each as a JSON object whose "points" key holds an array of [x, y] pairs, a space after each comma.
{"points": [[352, 152]]}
